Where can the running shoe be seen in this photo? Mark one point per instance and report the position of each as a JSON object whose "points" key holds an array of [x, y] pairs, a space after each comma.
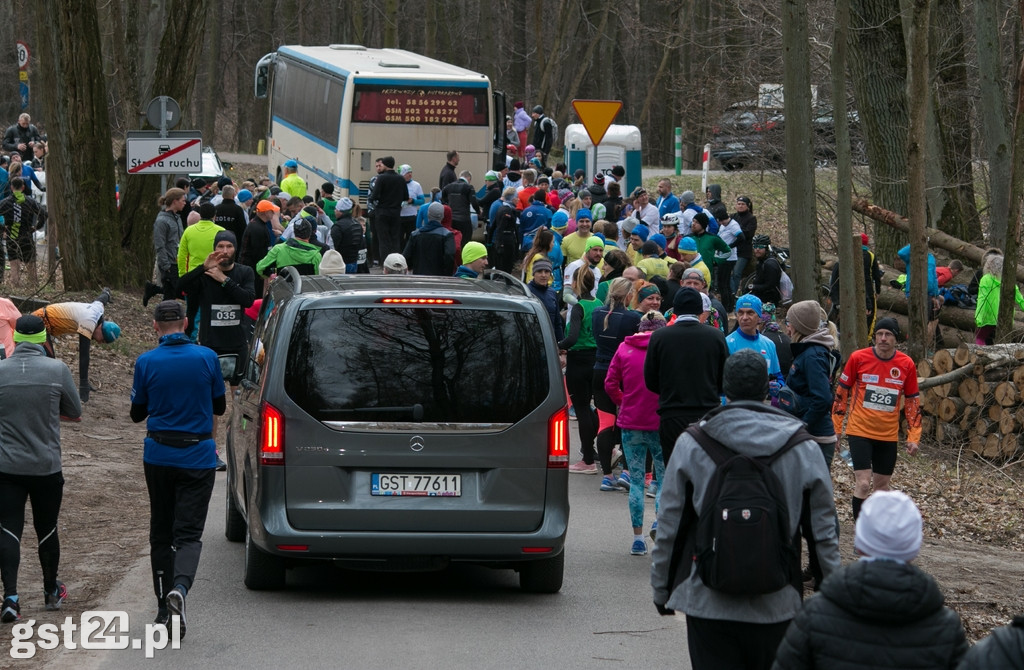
{"points": [[56, 599], [163, 617], [616, 455], [624, 481], [652, 490], [639, 547], [608, 484], [11, 611], [572, 413], [221, 465], [176, 605], [654, 530], [582, 468]]}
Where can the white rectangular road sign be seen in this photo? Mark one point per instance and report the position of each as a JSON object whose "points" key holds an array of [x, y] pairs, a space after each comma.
{"points": [[164, 155]]}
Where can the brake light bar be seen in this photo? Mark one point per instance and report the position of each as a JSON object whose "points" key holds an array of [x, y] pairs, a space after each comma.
{"points": [[558, 439], [271, 435], [418, 301]]}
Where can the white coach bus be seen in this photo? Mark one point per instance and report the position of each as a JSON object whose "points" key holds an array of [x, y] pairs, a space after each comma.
{"points": [[336, 109]]}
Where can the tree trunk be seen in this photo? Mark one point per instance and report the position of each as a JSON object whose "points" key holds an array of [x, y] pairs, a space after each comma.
{"points": [[950, 126], [1008, 287], [553, 60], [992, 110], [878, 65], [800, 195], [588, 56], [917, 94], [936, 238], [176, 66], [851, 339], [75, 104]]}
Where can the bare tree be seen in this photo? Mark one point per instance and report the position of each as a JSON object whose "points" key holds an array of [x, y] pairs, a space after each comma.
{"points": [[992, 107], [75, 104], [1008, 286], [176, 66], [917, 92], [800, 200]]}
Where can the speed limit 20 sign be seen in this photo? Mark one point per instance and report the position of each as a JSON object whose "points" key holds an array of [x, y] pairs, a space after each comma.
{"points": [[23, 55]]}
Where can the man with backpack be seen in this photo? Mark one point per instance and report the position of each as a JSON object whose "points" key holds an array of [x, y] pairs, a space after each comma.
{"points": [[727, 551], [768, 275], [545, 132], [504, 235]]}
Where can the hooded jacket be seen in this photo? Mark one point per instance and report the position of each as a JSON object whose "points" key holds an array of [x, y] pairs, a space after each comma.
{"points": [[755, 430], [431, 250], [1004, 648], [624, 383], [810, 378], [34, 391], [293, 252], [877, 613], [166, 237]]}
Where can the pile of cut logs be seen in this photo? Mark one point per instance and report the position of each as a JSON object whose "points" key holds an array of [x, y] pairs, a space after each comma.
{"points": [[975, 394]]}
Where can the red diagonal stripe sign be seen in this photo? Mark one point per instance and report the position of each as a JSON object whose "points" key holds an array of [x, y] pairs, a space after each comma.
{"points": [[154, 161]]}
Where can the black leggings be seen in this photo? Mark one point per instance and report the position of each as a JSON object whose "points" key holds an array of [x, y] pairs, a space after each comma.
{"points": [[579, 378], [45, 493]]}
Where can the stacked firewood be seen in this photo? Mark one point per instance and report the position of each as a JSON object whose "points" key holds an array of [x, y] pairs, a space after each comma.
{"points": [[975, 394]]}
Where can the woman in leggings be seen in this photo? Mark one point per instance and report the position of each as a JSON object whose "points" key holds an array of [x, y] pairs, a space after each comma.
{"points": [[580, 352]]}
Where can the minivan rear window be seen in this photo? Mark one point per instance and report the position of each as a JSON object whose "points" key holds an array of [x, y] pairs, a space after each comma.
{"points": [[401, 364]]}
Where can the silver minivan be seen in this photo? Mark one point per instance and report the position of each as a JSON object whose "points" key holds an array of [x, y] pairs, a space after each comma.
{"points": [[400, 422]]}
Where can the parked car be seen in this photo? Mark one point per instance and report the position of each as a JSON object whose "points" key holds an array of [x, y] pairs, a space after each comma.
{"points": [[750, 136], [400, 422], [213, 168]]}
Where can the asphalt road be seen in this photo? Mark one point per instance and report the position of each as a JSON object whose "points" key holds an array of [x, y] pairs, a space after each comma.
{"points": [[465, 617]]}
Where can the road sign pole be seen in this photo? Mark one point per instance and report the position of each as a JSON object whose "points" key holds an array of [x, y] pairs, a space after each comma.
{"points": [[679, 151], [163, 133]]}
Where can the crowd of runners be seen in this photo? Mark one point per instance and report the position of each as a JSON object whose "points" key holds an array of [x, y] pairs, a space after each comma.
{"points": [[683, 362]]}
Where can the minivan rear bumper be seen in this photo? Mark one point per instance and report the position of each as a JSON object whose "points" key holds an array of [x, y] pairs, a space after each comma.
{"points": [[269, 528]]}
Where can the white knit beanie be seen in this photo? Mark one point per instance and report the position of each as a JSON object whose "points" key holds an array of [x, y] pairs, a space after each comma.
{"points": [[889, 526]]}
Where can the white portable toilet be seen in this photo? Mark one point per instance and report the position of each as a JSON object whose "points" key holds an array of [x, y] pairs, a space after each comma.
{"points": [[619, 146]]}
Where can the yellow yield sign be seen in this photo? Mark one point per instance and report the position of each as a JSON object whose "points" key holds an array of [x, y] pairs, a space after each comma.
{"points": [[596, 116]]}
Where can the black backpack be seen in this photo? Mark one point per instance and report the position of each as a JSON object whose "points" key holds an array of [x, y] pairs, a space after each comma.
{"points": [[505, 238], [743, 542]]}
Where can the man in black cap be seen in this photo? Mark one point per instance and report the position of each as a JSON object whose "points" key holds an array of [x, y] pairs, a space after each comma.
{"points": [[684, 367], [874, 383], [223, 289], [35, 392], [178, 388]]}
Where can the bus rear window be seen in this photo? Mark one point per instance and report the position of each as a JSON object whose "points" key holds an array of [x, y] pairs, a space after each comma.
{"points": [[418, 105]]}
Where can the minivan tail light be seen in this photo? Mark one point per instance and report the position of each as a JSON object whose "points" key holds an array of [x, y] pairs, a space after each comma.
{"points": [[271, 436], [558, 439]]}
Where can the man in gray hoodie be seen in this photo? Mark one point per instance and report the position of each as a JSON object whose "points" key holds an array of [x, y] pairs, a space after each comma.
{"points": [[725, 629], [35, 393]]}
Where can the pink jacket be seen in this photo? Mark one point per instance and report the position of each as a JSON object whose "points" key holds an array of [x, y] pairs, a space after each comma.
{"points": [[624, 383]]}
